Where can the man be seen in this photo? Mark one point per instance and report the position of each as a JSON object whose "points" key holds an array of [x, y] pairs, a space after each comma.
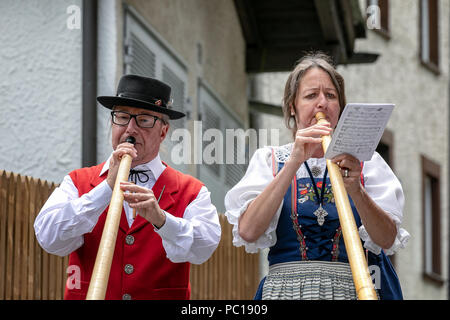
{"points": [[168, 220]]}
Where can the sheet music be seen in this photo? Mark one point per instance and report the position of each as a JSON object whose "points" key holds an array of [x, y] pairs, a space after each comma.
{"points": [[359, 130]]}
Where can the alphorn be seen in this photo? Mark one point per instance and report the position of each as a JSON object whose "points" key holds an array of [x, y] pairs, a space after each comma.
{"points": [[358, 265], [102, 267]]}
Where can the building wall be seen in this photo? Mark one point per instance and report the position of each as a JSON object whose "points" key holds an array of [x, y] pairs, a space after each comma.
{"points": [[419, 124], [215, 27], [41, 70], [40, 81], [206, 35]]}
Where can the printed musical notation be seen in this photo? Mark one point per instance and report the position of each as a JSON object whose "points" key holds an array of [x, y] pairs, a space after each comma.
{"points": [[359, 130]]}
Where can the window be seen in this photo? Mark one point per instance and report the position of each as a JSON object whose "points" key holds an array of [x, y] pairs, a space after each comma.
{"points": [[386, 146], [220, 167], [429, 32], [147, 54], [431, 223], [378, 15]]}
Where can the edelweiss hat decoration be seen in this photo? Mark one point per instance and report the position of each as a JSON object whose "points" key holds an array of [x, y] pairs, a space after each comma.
{"points": [[142, 92]]}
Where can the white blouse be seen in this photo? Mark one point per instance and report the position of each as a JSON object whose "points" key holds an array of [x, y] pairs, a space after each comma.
{"points": [[380, 182]]}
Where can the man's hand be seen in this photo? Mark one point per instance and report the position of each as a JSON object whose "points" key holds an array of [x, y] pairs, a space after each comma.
{"points": [[121, 150], [145, 203]]}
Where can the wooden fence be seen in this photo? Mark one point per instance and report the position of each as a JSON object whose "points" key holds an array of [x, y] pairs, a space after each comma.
{"points": [[27, 272], [230, 273]]}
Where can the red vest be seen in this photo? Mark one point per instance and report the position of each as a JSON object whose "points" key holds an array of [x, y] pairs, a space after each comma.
{"points": [[138, 248]]}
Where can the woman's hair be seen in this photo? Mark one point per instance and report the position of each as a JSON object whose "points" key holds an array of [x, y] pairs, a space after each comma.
{"points": [[310, 60]]}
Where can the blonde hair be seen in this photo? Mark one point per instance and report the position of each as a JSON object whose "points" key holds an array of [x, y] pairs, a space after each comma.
{"points": [[309, 61]]}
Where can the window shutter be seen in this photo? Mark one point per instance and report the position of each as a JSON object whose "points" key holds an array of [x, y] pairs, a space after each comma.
{"points": [[234, 172], [210, 121], [218, 177], [142, 59], [177, 93]]}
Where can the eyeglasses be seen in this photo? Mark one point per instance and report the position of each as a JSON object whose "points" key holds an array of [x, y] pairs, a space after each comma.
{"points": [[122, 118]]}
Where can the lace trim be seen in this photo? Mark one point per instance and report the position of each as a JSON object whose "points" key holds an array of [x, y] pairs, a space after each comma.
{"points": [[400, 242], [282, 153], [266, 240]]}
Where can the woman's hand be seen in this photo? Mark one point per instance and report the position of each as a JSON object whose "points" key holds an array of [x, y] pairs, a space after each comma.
{"points": [[351, 172], [308, 142], [379, 225]]}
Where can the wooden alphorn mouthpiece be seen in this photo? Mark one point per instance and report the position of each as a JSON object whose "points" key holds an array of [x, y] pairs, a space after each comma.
{"points": [[320, 116], [131, 140], [358, 264]]}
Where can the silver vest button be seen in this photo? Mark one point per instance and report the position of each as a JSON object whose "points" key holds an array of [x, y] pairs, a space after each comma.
{"points": [[129, 239], [126, 296], [129, 268]]}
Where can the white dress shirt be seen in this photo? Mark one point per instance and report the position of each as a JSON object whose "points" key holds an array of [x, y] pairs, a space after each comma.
{"points": [[66, 217], [379, 181]]}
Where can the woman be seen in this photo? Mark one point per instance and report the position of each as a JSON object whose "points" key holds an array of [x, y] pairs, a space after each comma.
{"points": [[284, 201]]}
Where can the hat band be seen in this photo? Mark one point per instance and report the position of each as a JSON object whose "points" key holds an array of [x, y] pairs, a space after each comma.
{"points": [[142, 97]]}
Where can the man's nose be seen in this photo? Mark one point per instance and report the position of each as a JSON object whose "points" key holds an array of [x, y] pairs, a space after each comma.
{"points": [[132, 125]]}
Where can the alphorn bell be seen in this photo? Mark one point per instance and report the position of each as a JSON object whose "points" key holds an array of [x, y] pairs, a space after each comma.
{"points": [[358, 265], [102, 267]]}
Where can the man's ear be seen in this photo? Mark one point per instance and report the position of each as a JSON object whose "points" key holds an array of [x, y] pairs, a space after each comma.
{"points": [[164, 131]]}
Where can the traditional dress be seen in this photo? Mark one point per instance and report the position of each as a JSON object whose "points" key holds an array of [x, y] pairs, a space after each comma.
{"points": [[307, 257], [148, 263]]}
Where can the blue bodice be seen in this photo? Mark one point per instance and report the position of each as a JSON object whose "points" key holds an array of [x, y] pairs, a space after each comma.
{"points": [[312, 241]]}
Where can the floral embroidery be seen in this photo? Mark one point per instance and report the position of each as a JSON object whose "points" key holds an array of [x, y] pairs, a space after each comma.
{"points": [[306, 192]]}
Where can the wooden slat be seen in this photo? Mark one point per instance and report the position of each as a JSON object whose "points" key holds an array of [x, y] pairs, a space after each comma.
{"points": [[45, 290], [38, 251], [31, 238], [3, 222], [10, 239], [18, 204], [25, 242]]}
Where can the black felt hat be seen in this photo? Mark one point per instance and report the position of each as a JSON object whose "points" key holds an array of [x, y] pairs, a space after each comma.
{"points": [[142, 92]]}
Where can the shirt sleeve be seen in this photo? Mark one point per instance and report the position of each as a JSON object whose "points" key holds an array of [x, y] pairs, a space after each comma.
{"points": [[386, 191], [194, 237], [65, 217], [258, 176]]}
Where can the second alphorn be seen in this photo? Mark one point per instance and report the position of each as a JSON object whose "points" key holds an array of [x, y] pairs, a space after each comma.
{"points": [[105, 253], [357, 260]]}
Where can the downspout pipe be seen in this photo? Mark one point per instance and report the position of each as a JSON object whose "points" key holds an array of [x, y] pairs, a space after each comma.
{"points": [[448, 181], [89, 84]]}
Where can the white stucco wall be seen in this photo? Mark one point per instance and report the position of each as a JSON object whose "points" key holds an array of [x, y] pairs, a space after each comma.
{"points": [[40, 82]]}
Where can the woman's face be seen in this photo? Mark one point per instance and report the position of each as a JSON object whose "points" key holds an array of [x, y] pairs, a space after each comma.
{"points": [[316, 92]]}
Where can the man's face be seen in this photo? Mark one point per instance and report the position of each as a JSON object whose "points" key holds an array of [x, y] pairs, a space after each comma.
{"points": [[148, 140]]}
